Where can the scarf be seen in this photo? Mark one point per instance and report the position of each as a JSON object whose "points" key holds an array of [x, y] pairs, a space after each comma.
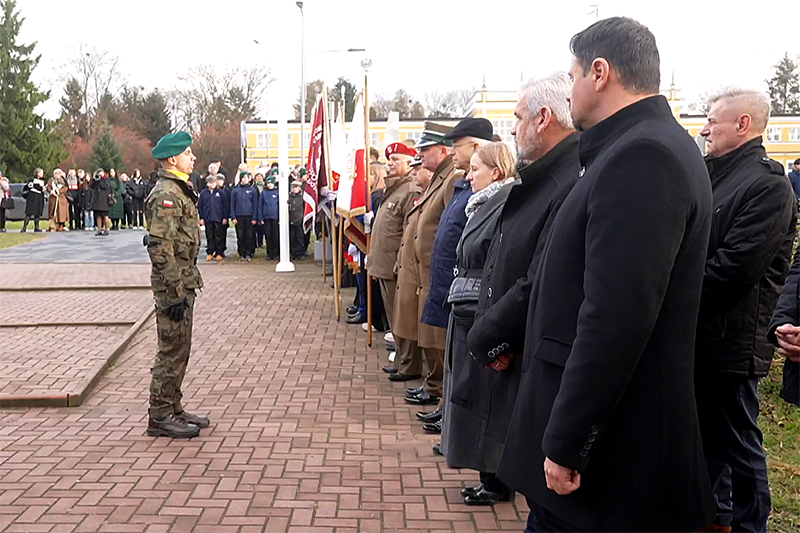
{"points": [[482, 196]]}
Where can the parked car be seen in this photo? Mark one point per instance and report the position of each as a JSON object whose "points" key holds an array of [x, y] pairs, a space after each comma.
{"points": [[18, 213]]}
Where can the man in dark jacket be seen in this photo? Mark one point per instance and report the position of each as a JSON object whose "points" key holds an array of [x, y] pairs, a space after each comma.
{"points": [[794, 178], [784, 332], [547, 147], [748, 258], [244, 206], [211, 209], [268, 216], [604, 434], [466, 137]]}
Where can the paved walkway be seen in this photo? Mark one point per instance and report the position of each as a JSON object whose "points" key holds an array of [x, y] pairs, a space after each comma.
{"points": [[308, 435]]}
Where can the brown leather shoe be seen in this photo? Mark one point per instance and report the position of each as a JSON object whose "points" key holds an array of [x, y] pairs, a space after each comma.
{"points": [[196, 420], [171, 427]]}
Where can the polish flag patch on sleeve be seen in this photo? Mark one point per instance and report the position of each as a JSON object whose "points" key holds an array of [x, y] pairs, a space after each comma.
{"points": [[168, 203]]}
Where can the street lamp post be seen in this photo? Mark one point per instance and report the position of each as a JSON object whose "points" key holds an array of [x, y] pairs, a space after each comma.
{"points": [[302, 81]]}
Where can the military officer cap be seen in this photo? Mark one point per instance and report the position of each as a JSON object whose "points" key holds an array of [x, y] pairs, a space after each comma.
{"points": [[434, 134], [172, 144], [399, 148], [296, 184], [416, 162], [479, 128]]}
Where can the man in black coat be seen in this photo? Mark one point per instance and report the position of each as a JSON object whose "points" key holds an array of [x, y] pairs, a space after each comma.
{"points": [[784, 332], [748, 258], [604, 434], [547, 151]]}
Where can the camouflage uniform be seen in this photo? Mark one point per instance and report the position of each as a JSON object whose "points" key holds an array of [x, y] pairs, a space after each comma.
{"points": [[173, 244]]}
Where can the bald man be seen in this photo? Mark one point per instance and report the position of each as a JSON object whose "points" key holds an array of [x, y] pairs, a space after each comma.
{"points": [[752, 232]]}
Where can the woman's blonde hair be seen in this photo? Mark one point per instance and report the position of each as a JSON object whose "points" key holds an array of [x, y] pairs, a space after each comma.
{"points": [[498, 155], [377, 173]]}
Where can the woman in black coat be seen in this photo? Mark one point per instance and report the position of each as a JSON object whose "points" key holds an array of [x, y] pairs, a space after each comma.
{"points": [[100, 193], [491, 174], [137, 189], [34, 200]]}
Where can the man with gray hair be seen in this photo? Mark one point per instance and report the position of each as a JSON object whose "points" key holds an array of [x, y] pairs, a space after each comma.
{"points": [[749, 253], [547, 148]]}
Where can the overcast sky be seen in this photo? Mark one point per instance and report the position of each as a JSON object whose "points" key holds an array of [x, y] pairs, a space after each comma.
{"points": [[418, 46]]}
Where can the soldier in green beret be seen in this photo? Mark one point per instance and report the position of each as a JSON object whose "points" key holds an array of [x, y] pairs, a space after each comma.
{"points": [[173, 244]]}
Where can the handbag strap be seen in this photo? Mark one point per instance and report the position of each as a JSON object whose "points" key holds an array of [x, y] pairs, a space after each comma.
{"points": [[468, 273]]}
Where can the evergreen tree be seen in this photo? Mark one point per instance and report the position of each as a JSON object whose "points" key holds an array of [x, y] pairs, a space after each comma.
{"points": [[105, 152], [72, 114], [27, 140], [155, 116], [784, 87], [335, 95]]}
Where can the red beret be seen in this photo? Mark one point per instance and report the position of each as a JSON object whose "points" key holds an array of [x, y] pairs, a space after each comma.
{"points": [[400, 148]]}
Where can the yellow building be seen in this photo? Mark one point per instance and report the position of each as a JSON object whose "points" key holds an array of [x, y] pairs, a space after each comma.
{"points": [[782, 138]]}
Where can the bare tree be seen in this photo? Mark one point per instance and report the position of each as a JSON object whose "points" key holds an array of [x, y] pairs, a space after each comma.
{"points": [[699, 104], [97, 75], [208, 97]]}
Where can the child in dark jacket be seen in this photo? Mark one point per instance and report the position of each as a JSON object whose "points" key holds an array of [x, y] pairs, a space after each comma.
{"points": [[211, 208], [244, 205], [297, 208], [268, 215]]}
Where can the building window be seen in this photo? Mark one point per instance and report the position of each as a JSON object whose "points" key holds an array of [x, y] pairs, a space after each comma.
{"points": [[374, 139], [414, 135], [794, 134], [503, 129], [308, 137], [262, 140], [290, 140], [773, 135]]}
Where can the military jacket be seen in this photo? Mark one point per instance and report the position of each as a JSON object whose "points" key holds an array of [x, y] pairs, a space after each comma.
{"points": [[173, 227]]}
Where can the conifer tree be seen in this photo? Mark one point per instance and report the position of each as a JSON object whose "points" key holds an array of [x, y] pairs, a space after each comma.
{"points": [[105, 152], [27, 139]]}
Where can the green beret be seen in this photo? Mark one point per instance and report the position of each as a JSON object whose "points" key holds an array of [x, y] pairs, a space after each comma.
{"points": [[303, 172], [272, 180], [172, 144]]}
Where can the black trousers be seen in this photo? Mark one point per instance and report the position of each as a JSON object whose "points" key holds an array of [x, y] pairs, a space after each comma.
{"points": [[245, 237], [727, 408], [259, 235], [75, 216], [2, 218], [28, 219], [296, 242], [541, 520], [127, 219], [273, 238], [215, 239]]}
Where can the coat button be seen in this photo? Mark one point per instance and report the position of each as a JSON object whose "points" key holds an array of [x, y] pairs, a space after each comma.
{"points": [[595, 430], [489, 292], [587, 446], [591, 438], [583, 453]]}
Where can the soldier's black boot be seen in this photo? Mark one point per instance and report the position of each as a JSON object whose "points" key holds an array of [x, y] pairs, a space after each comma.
{"points": [[195, 420], [172, 427]]}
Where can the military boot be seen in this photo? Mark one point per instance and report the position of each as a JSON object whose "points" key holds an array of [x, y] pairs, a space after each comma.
{"points": [[195, 420], [173, 427]]}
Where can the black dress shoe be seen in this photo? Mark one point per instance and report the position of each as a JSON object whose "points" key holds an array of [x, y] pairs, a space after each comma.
{"points": [[422, 399], [437, 449], [433, 427], [415, 392], [433, 416], [391, 347], [197, 420], [357, 319], [471, 491], [171, 427], [403, 377], [484, 497], [389, 370], [352, 310]]}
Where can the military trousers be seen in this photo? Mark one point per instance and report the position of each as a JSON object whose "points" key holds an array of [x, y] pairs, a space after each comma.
{"points": [[169, 369], [408, 357], [434, 361]]}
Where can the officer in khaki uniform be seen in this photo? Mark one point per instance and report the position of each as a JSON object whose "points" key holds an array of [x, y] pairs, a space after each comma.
{"points": [[173, 242], [414, 263], [387, 230]]}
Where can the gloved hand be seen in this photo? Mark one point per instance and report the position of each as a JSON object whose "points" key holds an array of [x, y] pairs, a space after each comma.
{"points": [[368, 218], [177, 310]]}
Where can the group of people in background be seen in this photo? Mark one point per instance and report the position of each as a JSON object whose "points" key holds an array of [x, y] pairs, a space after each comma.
{"points": [[592, 319]]}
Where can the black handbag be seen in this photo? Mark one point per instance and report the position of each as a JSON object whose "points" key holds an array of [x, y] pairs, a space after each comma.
{"points": [[464, 290], [7, 203]]}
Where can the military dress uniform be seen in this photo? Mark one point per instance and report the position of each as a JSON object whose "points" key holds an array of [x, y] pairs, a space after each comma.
{"points": [[173, 244]]}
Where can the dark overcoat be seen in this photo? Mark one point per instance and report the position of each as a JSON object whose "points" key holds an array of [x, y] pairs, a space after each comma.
{"points": [[788, 312], [506, 282], [607, 385], [463, 425]]}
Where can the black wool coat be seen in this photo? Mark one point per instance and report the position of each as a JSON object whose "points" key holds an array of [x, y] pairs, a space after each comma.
{"points": [[788, 312], [607, 384], [508, 275], [749, 253]]}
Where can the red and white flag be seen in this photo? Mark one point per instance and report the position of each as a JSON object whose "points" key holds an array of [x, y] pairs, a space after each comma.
{"points": [[351, 198], [316, 189]]}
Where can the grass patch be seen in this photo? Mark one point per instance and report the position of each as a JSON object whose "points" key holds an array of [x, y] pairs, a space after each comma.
{"points": [[7, 240], [17, 225], [780, 422]]}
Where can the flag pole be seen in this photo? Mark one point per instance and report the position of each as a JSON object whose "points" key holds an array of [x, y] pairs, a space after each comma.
{"points": [[339, 258], [368, 202], [325, 136]]}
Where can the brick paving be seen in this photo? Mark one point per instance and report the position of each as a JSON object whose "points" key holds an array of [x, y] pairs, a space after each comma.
{"points": [[308, 435], [77, 306], [73, 275]]}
